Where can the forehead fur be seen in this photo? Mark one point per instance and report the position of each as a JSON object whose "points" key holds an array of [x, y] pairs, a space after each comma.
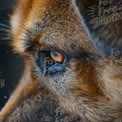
{"points": [[50, 22]]}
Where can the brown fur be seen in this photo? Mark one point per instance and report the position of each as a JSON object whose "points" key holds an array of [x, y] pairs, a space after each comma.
{"points": [[90, 87]]}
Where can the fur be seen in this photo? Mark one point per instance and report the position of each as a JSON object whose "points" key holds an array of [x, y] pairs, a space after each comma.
{"points": [[90, 90]]}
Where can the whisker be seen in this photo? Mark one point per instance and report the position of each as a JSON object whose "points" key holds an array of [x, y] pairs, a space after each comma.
{"points": [[4, 19], [4, 30], [6, 38], [3, 25], [3, 35]]}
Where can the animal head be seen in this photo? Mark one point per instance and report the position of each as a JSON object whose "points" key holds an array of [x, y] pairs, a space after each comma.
{"points": [[55, 44]]}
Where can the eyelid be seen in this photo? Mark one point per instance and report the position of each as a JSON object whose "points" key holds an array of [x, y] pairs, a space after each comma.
{"points": [[49, 49], [45, 49]]}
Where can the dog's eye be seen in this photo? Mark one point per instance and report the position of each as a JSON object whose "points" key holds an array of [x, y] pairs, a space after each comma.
{"points": [[51, 62], [57, 57]]}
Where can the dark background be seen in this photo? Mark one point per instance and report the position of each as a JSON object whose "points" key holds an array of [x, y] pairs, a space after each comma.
{"points": [[11, 65]]}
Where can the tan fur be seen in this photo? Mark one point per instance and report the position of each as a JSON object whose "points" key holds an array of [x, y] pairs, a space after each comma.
{"points": [[24, 89], [90, 88]]}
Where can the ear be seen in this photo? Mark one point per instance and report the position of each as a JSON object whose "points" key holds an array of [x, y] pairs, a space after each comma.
{"points": [[103, 21]]}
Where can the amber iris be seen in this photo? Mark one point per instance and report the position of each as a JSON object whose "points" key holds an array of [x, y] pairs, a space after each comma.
{"points": [[57, 57]]}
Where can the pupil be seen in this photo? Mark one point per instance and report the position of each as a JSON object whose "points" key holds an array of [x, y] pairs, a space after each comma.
{"points": [[54, 54]]}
